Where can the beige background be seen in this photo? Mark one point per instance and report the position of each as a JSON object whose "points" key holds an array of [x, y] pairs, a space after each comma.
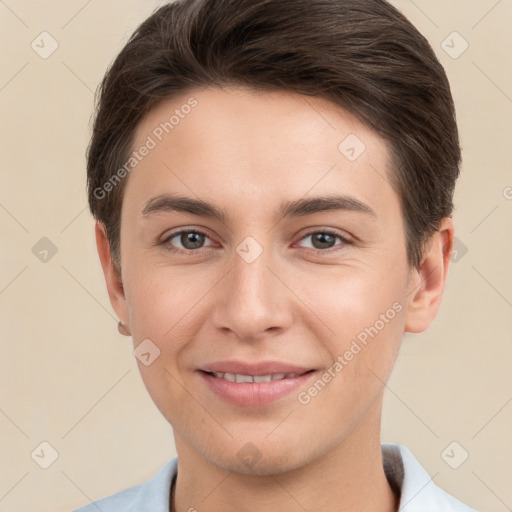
{"points": [[68, 378]]}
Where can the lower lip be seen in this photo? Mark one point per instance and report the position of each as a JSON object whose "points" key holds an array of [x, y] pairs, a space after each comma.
{"points": [[254, 394]]}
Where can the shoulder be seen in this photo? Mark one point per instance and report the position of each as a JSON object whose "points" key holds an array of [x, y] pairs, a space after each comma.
{"points": [[418, 491], [152, 494]]}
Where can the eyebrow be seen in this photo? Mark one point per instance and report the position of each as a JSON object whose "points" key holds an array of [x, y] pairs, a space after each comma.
{"points": [[297, 208]]}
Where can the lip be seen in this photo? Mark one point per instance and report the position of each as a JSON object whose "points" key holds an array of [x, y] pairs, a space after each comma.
{"points": [[254, 394]]}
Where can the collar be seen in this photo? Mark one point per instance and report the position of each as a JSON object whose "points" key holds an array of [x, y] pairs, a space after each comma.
{"points": [[417, 490]]}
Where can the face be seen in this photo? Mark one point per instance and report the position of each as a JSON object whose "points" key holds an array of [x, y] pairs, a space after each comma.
{"points": [[320, 288]]}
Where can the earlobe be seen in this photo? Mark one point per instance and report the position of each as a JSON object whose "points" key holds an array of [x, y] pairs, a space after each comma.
{"points": [[112, 277], [426, 284]]}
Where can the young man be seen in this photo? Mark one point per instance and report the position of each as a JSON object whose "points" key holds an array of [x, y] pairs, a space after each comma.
{"points": [[272, 182]]}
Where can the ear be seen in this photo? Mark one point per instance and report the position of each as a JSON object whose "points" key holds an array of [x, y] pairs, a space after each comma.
{"points": [[426, 284], [112, 278]]}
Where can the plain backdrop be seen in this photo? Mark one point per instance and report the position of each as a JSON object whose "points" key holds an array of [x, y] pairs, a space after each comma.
{"points": [[69, 379]]}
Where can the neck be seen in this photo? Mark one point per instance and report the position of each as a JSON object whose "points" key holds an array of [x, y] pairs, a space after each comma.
{"points": [[348, 477]]}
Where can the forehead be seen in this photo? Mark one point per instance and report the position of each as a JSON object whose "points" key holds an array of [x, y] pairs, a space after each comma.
{"points": [[252, 149]]}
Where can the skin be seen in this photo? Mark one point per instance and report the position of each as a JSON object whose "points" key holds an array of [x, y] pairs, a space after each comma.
{"points": [[247, 151]]}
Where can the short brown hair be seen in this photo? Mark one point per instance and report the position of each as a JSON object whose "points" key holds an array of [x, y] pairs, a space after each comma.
{"points": [[363, 55]]}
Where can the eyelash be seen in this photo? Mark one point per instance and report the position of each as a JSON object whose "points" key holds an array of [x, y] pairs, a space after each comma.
{"points": [[327, 231]]}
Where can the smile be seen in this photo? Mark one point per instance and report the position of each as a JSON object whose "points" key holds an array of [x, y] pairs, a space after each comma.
{"points": [[254, 390], [235, 377]]}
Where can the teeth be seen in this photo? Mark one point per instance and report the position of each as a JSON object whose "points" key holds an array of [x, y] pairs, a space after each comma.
{"points": [[233, 377], [262, 378], [244, 378]]}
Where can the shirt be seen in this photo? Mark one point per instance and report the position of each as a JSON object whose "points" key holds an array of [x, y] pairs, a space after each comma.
{"points": [[418, 493]]}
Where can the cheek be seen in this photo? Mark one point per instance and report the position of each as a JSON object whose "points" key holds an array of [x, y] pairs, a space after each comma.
{"points": [[165, 306], [160, 301], [357, 298], [362, 352], [161, 310], [366, 316]]}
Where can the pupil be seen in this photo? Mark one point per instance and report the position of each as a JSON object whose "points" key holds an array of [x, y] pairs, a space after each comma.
{"points": [[187, 239], [322, 238]]}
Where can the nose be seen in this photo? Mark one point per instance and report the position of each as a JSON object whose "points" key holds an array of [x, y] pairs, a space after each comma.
{"points": [[253, 300]]}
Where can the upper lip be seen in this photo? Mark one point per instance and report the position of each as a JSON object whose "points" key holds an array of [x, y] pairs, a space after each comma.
{"points": [[259, 368]]}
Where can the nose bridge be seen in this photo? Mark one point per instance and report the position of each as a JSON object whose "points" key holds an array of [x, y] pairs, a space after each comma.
{"points": [[251, 275], [253, 298]]}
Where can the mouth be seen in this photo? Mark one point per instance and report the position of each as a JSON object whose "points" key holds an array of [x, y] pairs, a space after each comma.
{"points": [[251, 391], [241, 378]]}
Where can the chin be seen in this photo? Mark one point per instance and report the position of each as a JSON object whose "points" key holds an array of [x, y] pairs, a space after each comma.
{"points": [[258, 457], [274, 463]]}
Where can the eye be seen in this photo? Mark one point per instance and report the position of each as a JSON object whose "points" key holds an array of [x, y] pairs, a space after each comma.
{"points": [[190, 240], [324, 239]]}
